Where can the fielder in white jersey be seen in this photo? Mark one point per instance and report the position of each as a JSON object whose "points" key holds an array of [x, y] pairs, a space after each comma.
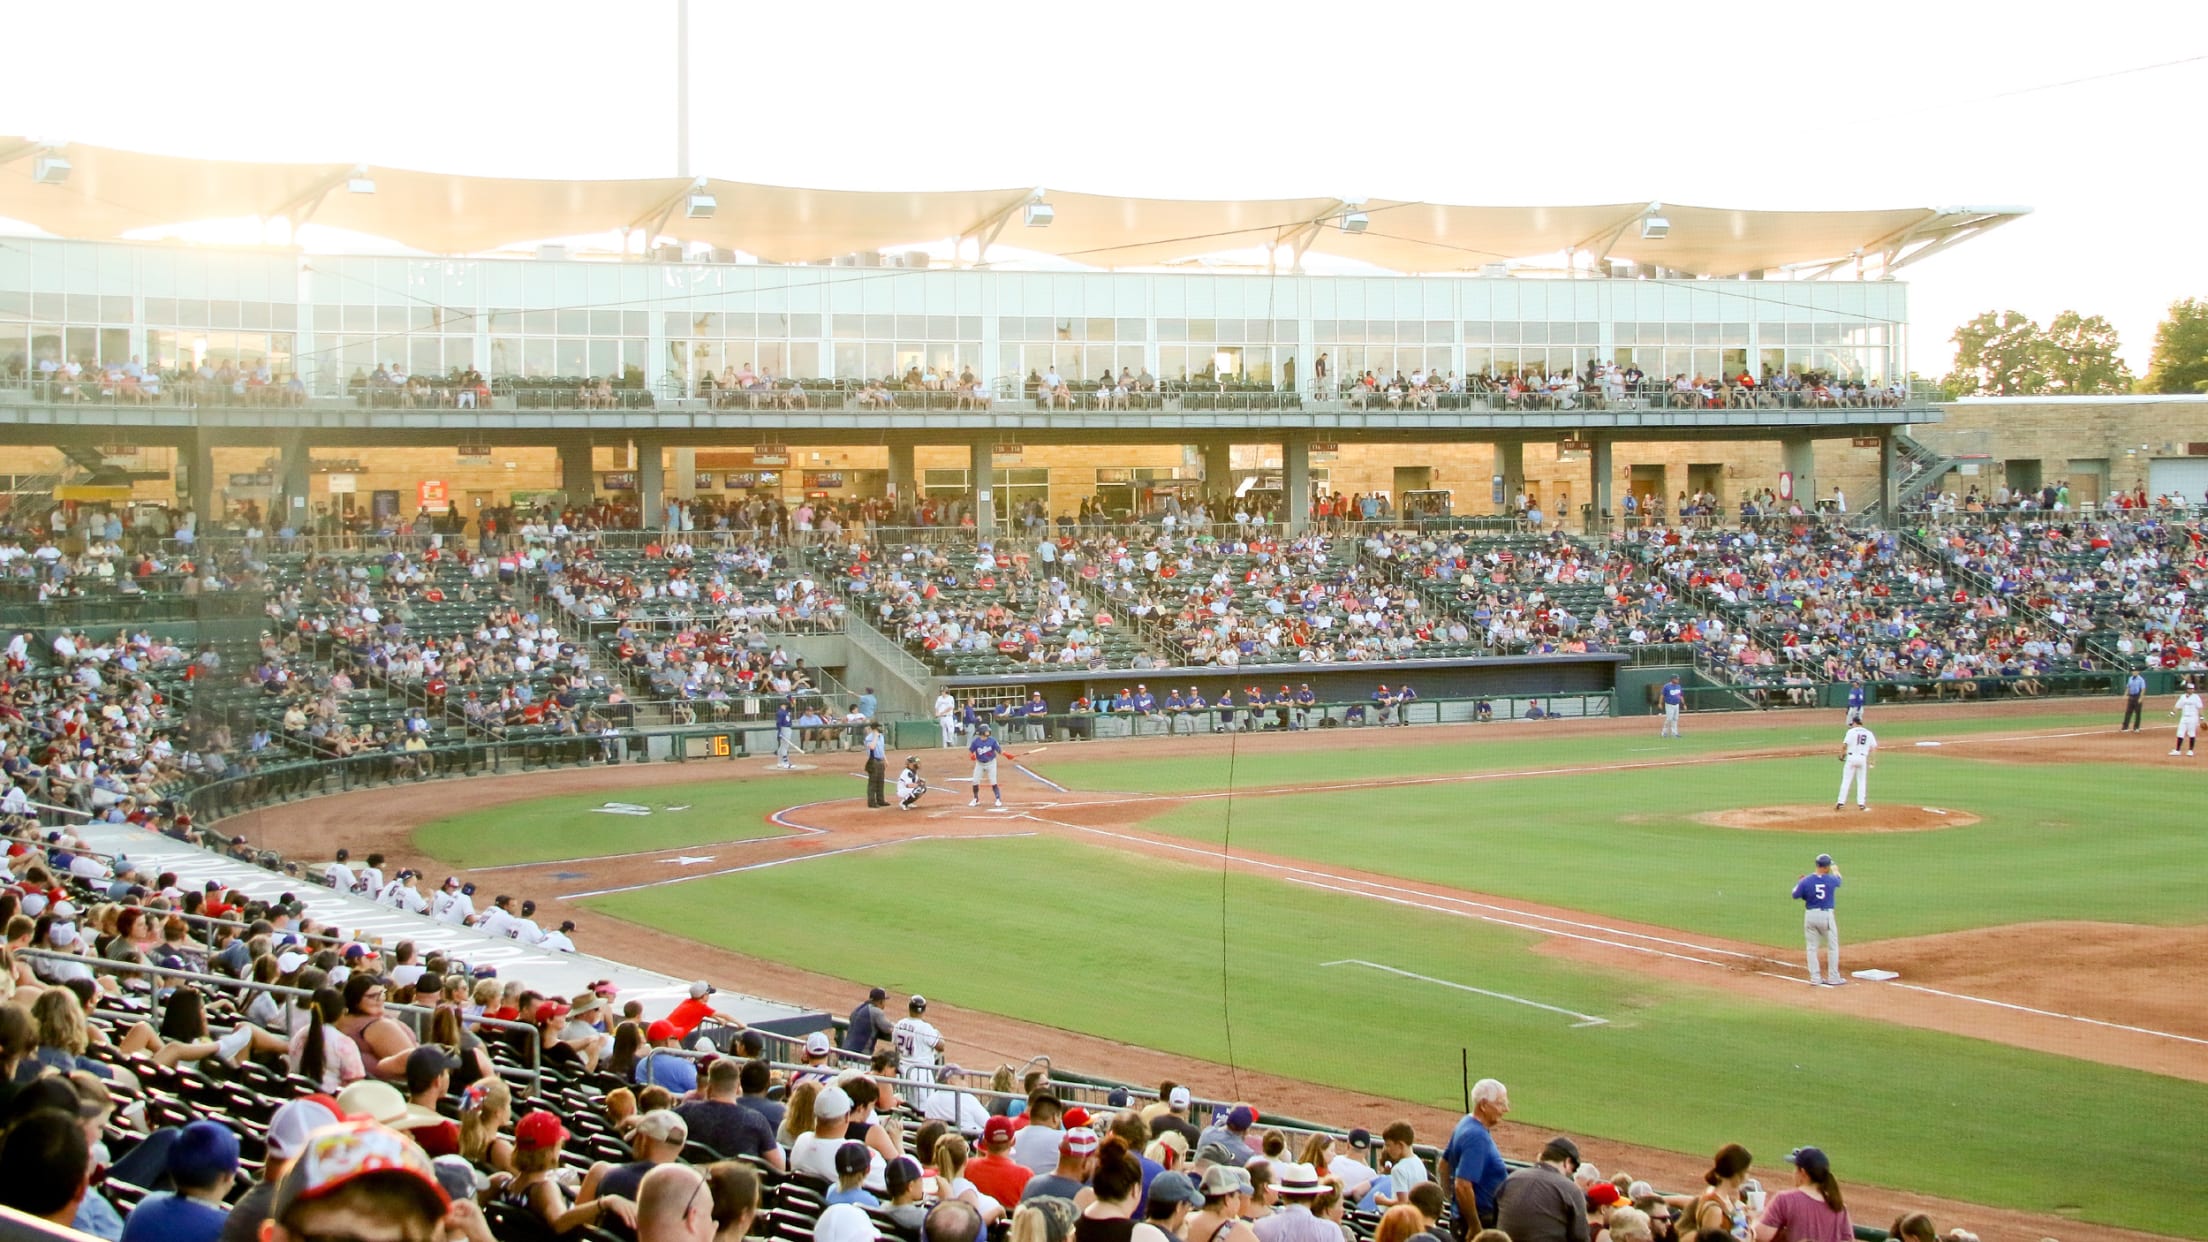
{"points": [[1857, 748], [946, 717], [919, 1048], [2187, 712]]}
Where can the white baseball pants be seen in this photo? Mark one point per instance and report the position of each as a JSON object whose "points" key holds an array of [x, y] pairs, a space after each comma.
{"points": [[1858, 773], [1671, 721], [949, 725], [1819, 926]]}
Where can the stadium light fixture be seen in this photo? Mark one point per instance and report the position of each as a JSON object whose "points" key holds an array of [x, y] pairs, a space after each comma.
{"points": [[1038, 215], [359, 182], [1654, 227], [1355, 220], [700, 205], [50, 170]]}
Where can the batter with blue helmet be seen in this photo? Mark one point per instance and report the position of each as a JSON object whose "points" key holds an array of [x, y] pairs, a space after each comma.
{"points": [[984, 750]]}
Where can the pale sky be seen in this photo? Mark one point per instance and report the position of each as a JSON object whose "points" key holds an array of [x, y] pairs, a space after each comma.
{"points": [[2084, 114]]}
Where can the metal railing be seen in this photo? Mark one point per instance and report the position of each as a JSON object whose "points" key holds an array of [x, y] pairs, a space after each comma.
{"points": [[1106, 724], [533, 1074], [889, 652]]}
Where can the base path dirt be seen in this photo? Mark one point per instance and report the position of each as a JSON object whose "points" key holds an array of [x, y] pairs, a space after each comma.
{"points": [[2021, 970], [1825, 820]]}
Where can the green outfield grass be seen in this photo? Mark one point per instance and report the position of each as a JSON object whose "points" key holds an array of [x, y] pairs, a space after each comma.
{"points": [[1512, 744], [724, 808], [1130, 948], [2055, 842]]}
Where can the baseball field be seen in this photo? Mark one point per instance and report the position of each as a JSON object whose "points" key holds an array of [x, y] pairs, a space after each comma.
{"points": [[1331, 925]]}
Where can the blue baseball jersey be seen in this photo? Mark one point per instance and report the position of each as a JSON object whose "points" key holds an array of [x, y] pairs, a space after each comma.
{"points": [[1674, 694], [1173, 702], [1856, 696], [1306, 697], [1195, 699], [782, 716], [1816, 892], [983, 749], [1145, 702]]}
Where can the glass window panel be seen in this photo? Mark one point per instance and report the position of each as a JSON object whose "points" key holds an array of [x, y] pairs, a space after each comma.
{"points": [[1172, 329], [223, 314], [115, 309], [739, 325], [1505, 332], [1068, 329], [969, 327], [805, 359], [163, 310], [1796, 334], [505, 355], [605, 323], [1011, 328], [572, 357], [911, 327], [390, 319], [1325, 331], [1202, 331], [850, 357], [536, 356], [774, 325], [82, 308], [849, 328], [284, 315], [1409, 332], [52, 307], [1035, 328], [1679, 334], [1534, 333], [942, 327], [1477, 359], [604, 358], [1173, 361], [1131, 359], [571, 323], [1101, 329], [635, 323], [114, 345], [253, 315], [877, 358], [878, 328], [423, 356], [1129, 330]]}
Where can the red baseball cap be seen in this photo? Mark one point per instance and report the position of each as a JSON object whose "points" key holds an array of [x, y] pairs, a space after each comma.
{"points": [[539, 1130], [1076, 1116], [661, 1031], [996, 1130]]}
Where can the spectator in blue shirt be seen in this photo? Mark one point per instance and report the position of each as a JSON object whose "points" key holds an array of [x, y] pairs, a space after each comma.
{"points": [[1472, 1166], [675, 1072], [203, 1162]]}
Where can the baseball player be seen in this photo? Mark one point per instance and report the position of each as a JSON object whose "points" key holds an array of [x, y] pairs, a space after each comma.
{"points": [[785, 736], [919, 1046], [1858, 698], [2187, 712], [909, 785], [946, 718], [1816, 892], [1858, 747], [1674, 698], [984, 751]]}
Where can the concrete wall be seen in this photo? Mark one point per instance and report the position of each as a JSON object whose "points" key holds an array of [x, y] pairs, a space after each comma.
{"points": [[2066, 438]]}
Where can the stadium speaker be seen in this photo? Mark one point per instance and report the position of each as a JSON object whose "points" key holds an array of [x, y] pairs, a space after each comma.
{"points": [[1355, 222], [1655, 228], [50, 170], [1039, 215], [700, 206]]}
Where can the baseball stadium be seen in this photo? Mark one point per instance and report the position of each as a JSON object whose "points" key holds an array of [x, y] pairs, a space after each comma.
{"points": [[508, 735]]}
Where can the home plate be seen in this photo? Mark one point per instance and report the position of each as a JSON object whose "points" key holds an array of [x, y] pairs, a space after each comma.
{"points": [[1876, 976]]}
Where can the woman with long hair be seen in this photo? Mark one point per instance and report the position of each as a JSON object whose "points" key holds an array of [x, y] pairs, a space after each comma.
{"points": [[1400, 1223], [447, 1031], [735, 1190], [533, 1188], [1117, 1188], [798, 1118], [319, 1052], [1813, 1211], [1720, 1205], [385, 1043], [184, 1020], [1913, 1227], [485, 1108], [628, 1044]]}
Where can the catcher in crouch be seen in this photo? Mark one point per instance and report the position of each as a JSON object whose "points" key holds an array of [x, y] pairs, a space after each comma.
{"points": [[909, 785]]}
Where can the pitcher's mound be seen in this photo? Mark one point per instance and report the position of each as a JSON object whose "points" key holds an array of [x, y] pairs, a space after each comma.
{"points": [[1826, 820]]}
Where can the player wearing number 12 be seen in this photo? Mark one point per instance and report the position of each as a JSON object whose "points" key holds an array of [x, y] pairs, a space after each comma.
{"points": [[1858, 747], [1817, 892]]}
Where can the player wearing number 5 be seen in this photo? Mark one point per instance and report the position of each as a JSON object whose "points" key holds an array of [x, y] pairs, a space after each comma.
{"points": [[1858, 746], [1816, 891]]}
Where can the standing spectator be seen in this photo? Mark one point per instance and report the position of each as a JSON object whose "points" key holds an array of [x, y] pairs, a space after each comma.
{"points": [[1541, 1203], [1813, 1211], [868, 1025], [1471, 1165]]}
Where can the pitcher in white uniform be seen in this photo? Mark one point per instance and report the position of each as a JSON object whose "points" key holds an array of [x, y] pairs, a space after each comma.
{"points": [[1857, 747]]}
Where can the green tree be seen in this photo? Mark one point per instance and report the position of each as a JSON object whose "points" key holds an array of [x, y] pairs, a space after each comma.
{"points": [[2180, 359], [2080, 354], [1999, 354]]}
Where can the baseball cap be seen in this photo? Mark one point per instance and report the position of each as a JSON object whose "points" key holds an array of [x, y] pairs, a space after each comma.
{"points": [[1177, 1098], [877, 994], [336, 1156], [1602, 1194], [1079, 1141], [424, 1064], [1076, 1116], [1171, 1187], [553, 1010], [700, 990], [539, 1130], [1118, 1097], [1240, 1117], [458, 1178], [660, 1032], [663, 1125], [1224, 1179], [355, 952], [899, 1174], [289, 963], [831, 1103], [851, 1158], [996, 1130], [1560, 1147], [1824, 860], [845, 1222], [816, 1044], [203, 1152], [291, 1125], [1810, 1160], [1360, 1138]]}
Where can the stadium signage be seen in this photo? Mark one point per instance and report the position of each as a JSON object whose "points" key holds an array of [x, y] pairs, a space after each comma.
{"points": [[1575, 446], [1325, 446], [1867, 442], [475, 450], [770, 455], [1008, 454]]}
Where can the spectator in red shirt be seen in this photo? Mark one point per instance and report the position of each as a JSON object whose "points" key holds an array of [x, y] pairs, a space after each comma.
{"points": [[994, 1172], [690, 1013]]}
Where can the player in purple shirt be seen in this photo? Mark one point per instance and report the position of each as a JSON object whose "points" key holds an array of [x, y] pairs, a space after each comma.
{"points": [[1817, 892]]}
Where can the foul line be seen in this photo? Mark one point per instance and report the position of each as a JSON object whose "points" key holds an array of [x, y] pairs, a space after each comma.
{"points": [[784, 862], [1037, 776], [1585, 1019], [2047, 1013]]}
